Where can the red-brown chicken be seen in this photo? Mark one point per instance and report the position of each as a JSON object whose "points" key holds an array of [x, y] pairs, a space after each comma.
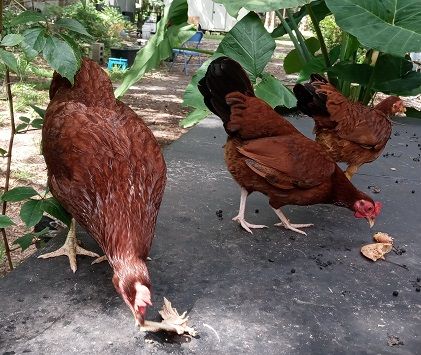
{"points": [[349, 131], [266, 153], [106, 168]]}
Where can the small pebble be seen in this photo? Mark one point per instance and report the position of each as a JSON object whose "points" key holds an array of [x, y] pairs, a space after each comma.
{"points": [[413, 191], [418, 279], [271, 260], [418, 289], [395, 293], [256, 211], [292, 271], [396, 181], [214, 137]]}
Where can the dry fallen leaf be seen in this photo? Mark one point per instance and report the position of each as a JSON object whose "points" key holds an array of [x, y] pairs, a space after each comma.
{"points": [[171, 321], [376, 251], [381, 237]]}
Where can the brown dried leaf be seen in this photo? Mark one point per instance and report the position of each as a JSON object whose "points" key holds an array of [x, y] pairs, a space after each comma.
{"points": [[381, 237], [376, 251], [171, 321]]}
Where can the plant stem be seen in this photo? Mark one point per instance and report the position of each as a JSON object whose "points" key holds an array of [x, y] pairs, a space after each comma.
{"points": [[319, 34], [291, 36], [9, 155], [300, 37], [9, 162], [373, 61]]}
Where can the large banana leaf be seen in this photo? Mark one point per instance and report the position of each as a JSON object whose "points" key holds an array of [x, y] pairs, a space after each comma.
{"points": [[234, 6], [392, 75], [390, 26], [250, 44], [172, 31]]}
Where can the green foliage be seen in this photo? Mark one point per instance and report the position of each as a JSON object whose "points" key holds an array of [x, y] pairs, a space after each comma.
{"points": [[332, 33], [27, 94], [392, 27], [240, 45], [27, 239], [274, 92], [19, 194], [104, 26], [5, 221], [172, 31], [45, 34]]}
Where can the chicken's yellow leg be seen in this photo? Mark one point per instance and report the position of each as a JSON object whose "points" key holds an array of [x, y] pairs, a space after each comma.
{"points": [[70, 248]]}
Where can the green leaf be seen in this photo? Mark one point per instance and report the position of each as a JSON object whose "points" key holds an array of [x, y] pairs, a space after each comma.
{"points": [[31, 212], [38, 110], [172, 31], [20, 127], [9, 60], [390, 26], [19, 194], [293, 62], [11, 40], [33, 41], [54, 208], [24, 119], [194, 117], [61, 57], [26, 240], [250, 44], [3, 152], [318, 64], [27, 17], [408, 85], [37, 123], [234, 6], [352, 72], [274, 92], [72, 25], [5, 221], [319, 8], [412, 112]]}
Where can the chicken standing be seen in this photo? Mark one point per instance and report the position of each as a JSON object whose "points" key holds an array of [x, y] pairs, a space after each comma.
{"points": [[349, 131], [266, 153], [106, 168]]}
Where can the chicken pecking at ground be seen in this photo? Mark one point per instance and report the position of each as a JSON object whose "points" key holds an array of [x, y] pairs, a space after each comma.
{"points": [[106, 168], [350, 132], [266, 153]]}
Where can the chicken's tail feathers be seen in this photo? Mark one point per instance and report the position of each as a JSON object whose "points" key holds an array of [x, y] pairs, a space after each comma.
{"points": [[223, 77], [310, 101]]}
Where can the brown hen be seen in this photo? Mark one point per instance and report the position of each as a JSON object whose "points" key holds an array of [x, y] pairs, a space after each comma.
{"points": [[106, 168], [350, 132], [266, 153]]}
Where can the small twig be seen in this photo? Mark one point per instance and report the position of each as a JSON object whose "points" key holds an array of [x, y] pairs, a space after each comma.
{"points": [[9, 162]]}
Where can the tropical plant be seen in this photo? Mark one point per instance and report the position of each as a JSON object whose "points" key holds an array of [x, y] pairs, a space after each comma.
{"points": [[384, 31], [23, 37]]}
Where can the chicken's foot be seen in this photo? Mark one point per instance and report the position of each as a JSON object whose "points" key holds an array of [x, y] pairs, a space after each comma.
{"points": [[286, 224], [240, 217], [70, 248], [100, 260]]}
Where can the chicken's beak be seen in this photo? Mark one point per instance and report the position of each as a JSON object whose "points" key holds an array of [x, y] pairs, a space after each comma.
{"points": [[371, 221], [403, 109]]}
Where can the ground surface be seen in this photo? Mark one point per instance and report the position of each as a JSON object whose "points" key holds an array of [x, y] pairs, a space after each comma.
{"points": [[156, 98], [239, 289]]}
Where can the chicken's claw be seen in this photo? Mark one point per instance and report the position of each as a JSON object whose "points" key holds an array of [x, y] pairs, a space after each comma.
{"points": [[286, 224], [246, 225]]}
